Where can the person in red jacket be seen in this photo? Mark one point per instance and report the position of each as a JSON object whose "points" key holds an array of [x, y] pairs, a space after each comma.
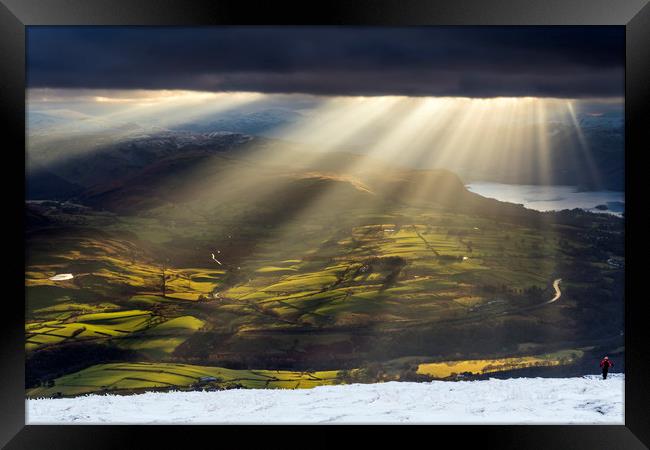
{"points": [[605, 364]]}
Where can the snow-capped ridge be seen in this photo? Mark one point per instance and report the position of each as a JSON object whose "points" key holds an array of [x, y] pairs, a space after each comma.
{"points": [[583, 400]]}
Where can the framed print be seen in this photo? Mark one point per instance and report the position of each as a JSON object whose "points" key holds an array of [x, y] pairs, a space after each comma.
{"points": [[364, 213]]}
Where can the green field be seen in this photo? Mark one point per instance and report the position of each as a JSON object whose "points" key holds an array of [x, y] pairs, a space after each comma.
{"points": [[450, 368], [161, 340], [309, 292], [87, 326], [135, 377]]}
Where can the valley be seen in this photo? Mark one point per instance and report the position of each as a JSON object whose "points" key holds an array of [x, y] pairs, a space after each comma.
{"points": [[218, 262]]}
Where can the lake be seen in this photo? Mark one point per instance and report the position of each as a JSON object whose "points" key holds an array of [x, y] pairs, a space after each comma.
{"points": [[552, 198]]}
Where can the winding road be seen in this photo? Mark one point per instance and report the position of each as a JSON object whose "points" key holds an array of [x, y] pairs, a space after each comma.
{"points": [[558, 293], [218, 262]]}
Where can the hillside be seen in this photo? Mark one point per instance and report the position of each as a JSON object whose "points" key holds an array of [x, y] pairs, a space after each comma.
{"points": [[216, 254]]}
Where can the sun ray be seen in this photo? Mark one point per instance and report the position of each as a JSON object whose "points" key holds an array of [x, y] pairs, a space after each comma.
{"points": [[585, 151], [469, 136], [541, 161]]}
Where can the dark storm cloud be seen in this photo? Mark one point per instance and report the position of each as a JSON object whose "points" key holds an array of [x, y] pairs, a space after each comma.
{"points": [[502, 61]]}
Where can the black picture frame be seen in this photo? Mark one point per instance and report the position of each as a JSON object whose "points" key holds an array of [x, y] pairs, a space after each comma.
{"points": [[15, 15]]}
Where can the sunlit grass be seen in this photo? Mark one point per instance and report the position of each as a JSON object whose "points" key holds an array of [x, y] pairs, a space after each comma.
{"points": [[161, 340], [483, 366], [88, 326], [140, 376]]}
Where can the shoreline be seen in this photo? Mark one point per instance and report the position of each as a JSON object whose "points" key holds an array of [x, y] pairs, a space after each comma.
{"points": [[550, 198]]}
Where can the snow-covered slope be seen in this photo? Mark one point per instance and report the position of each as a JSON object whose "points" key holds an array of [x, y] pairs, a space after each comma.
{"points": [[584, 400]]}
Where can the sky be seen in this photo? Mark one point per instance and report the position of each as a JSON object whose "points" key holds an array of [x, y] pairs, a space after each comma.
{"points": [[564, 62], [476, 100]]}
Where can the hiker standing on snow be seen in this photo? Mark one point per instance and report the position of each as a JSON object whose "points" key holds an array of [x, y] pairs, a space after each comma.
{"points": [[605, 364]]}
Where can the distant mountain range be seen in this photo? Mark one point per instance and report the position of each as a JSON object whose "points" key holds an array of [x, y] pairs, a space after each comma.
{"points": [[145, 173], [68, 166], [591, 158], [256, 123]]}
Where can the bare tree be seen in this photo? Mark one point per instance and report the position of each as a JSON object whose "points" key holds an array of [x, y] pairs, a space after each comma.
{"points": [[163, 277]]}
